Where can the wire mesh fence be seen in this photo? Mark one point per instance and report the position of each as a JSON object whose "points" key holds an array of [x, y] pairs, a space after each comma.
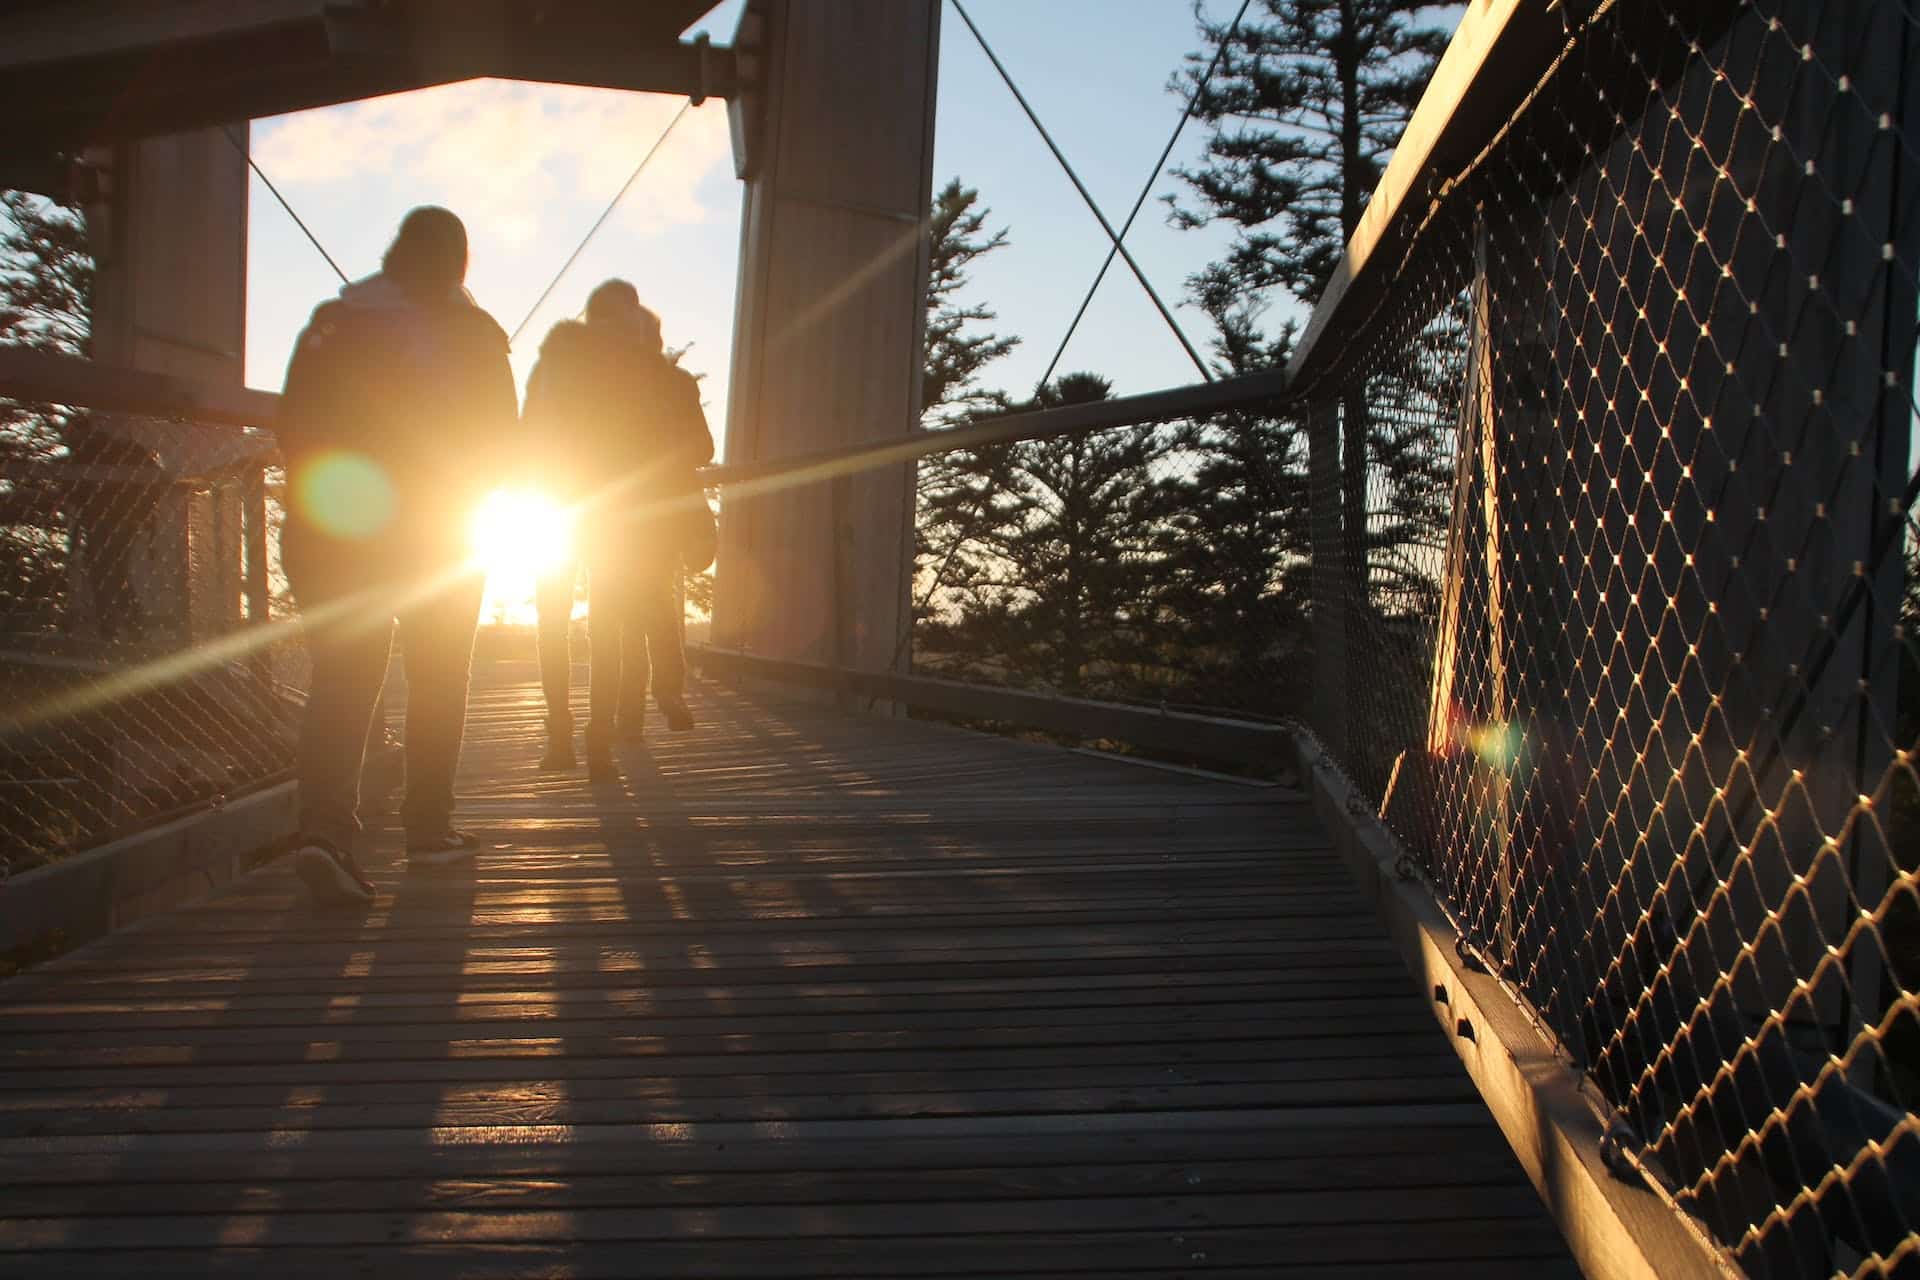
{"points": [[1588, 558], [1646, 716], [136, 677]]}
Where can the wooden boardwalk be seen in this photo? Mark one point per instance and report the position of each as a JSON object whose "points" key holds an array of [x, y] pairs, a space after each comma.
{"points": [[805, 994]]}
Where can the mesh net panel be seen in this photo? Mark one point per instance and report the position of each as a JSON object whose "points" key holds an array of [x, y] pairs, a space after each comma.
{"points": [[1627, 579], [133, 689]]}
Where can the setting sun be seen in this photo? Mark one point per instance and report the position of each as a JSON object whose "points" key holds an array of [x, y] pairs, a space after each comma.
{"points": [[519, 534]]}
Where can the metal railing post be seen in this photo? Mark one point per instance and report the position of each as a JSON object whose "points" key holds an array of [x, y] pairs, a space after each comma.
{"points": [[1329, 577], [253, 537]]}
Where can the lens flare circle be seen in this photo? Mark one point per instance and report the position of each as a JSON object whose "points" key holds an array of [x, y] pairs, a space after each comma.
{"points": [[345, 494], [519, 534]]}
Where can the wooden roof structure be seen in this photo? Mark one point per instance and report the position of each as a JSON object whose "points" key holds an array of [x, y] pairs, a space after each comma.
{"points": [[80, 72]]}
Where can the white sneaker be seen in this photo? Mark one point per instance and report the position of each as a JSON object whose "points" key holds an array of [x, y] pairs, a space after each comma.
{"points": [[444, 850], [332, 878]]}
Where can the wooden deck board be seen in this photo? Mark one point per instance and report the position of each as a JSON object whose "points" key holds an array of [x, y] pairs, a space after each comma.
{"points": [[803, 993]]}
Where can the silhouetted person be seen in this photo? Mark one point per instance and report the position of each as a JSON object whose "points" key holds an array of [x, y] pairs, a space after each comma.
{"points": [[398, 416], [620, 428], [115, 497]]}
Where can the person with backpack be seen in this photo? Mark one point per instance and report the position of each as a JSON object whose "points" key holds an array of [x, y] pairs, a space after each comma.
{"points": [[620, 429], [399, 416]]}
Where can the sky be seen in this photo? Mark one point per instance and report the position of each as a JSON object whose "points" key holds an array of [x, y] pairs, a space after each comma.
{"points": [[529, 167]]}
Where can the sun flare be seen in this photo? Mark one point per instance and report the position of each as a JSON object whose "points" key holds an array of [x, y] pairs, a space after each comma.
{"points": [[518, 535]]}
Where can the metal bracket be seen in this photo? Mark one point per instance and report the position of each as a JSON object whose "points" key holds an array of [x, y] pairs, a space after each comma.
{"points": [[1617, 1146]]}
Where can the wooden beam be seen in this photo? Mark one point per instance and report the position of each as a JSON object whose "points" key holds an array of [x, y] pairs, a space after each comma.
{"points": [[33, 36], [116, 69], [1457, 110], [696, 71], [42, 170], [1194, 400], [1214, 738], [93, 893], [620, 48], [57, 379]]}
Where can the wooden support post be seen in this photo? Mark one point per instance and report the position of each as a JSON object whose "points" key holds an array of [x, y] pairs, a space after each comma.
{"points": [[253, 517], [169, 239], [828, 326], [258, 587], [1330, 582]]}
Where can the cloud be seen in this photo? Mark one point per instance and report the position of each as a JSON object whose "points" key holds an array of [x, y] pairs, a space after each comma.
{"points": [[504, 153]]}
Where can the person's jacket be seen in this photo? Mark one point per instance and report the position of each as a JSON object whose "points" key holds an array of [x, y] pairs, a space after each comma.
{"points": [[614, 427], [417, 397]]}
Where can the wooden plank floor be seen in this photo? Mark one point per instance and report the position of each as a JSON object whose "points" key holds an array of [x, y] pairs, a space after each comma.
{"points": [[805, 994]]}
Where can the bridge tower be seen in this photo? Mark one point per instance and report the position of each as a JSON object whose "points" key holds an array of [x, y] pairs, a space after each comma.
{"points": [[167, 222], [829, 324]]}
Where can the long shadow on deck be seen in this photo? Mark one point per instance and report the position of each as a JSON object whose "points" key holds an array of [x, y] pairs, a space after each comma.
{"points": [[803, 994]]}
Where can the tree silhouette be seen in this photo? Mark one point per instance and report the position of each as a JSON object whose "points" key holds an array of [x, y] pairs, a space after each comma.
{"points": [[46, 293], [1069, 596], [46, 296], [1309, 99], [1236, 546], [962, 495]]}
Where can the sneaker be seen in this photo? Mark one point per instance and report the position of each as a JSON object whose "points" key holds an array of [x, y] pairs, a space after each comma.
{"points": [[333, 878], [679, 719], [444, 850]]}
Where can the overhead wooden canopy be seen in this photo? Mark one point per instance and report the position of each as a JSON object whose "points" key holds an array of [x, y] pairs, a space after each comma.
{"points": [[76, 72]]}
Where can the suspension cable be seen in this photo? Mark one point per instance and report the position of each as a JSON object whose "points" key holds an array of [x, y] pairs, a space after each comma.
{"points": [[978, 509], [305, 230], [597, 224], [1199, 90], [1121, 249]]}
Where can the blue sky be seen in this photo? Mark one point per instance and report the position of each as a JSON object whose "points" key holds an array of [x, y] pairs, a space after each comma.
{"points": [[530, 166]]}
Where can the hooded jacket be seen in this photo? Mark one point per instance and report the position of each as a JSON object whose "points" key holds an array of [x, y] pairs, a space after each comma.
{"points": [[614, 425], [420, 390]]}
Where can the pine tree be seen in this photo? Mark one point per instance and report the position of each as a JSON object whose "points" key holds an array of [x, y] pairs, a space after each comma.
{"points": [[1305, 107], [1072, 597], [1308, 101], [962, 495], [1236, 546], [46, 292], [950, 389]]}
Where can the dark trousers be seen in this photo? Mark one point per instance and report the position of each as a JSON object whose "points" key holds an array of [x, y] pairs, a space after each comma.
{"points": [[634, 629], [633, 623], [351, 604], [553, 613]]}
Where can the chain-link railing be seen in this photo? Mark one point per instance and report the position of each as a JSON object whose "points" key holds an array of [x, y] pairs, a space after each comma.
{"points": [[1583, 548], [135, 580], [1623, 601]]}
